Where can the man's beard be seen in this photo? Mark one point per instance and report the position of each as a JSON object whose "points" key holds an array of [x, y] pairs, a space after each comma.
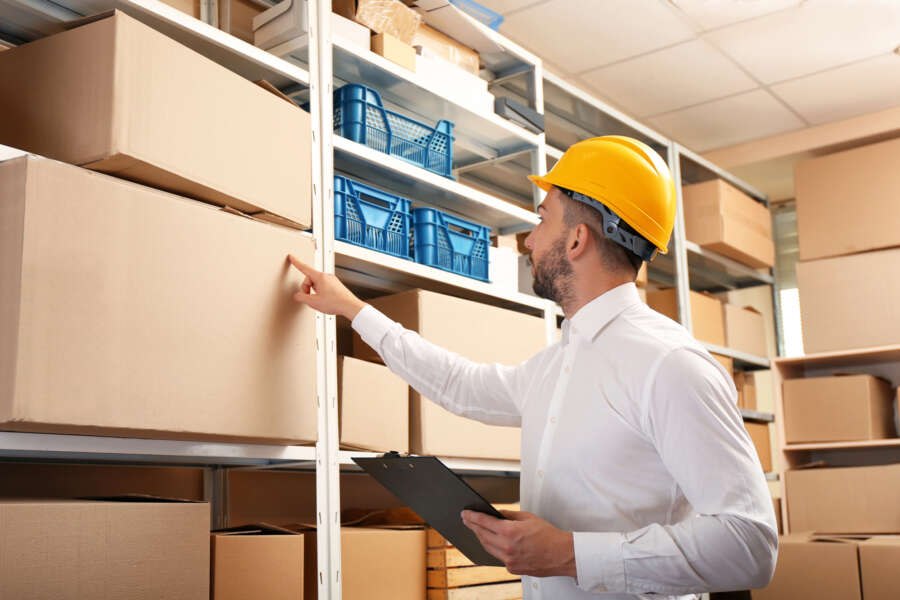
{"points": [[553, 275]]}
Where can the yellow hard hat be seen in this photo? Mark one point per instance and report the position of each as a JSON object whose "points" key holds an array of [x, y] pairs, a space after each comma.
{"points": [[626, 176]]}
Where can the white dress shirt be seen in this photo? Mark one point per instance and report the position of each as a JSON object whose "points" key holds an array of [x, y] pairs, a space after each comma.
{"points": [[631, 439]]}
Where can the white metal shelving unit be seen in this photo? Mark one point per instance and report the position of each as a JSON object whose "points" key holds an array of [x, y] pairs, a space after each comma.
{"points": [[491, 155]]}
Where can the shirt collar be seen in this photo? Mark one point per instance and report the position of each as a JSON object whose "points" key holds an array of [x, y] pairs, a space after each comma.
{"points": [[596, 314]]}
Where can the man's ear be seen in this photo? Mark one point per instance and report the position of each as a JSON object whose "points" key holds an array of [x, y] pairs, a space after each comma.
{"points": [[579, 240]]}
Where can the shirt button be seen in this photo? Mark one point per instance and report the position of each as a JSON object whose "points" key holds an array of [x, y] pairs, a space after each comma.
{"points": [[534, 585], [540, 473], [566, 369], [553, 420]]}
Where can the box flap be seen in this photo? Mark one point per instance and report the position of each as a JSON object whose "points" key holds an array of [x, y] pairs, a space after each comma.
{"points": [[256, 529], [140, 498], [74, 23]]}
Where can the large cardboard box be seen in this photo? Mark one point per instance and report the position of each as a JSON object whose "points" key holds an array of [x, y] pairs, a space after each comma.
{"points": [[727, 363], [77, 549], [119, 97], [373, 405], [129, 311], [760, 298], [391, 17], [826, 224], [257, 562], [879, 558], [720, 217], [745, 330], [812, 568], [745, 384], [478, 332], [386, 45], [759, 434], [844, 499], [376, 564], [850, 302], [707, 317], [447, 48], [836, 409]]}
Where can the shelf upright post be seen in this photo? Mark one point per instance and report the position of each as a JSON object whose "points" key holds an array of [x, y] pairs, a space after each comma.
{"points": [[328, 534], [678, 246]]}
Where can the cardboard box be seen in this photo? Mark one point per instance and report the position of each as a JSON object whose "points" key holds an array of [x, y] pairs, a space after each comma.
{"points": [[810, 567], [119, 97], [825, 224], [129, 311], [707, 317], [726, 361], [746, 388], [373, 405], [760, 298], [720, 217], [745, 331], [257, 562], [376, 564], [850, 302], [386, 45], [759, 434], [64, 480], [76, 549], [776, 504], [381, 16], [478, 332], [240, 23], [835, 409], [764, 385], [878, 561], [454, 83], [844, 499], [447, 48]]}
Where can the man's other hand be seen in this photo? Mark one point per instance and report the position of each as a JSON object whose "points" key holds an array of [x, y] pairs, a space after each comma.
{"points": [[526, 543], [325, 293]]}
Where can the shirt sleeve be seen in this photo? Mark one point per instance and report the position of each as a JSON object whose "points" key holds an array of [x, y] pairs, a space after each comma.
{"points": [[731, 543], [490, 393]]}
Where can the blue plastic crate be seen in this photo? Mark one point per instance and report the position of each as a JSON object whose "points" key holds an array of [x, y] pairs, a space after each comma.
{"points": [[479, 13], [368, 217], [360, 116], [451, 243]]}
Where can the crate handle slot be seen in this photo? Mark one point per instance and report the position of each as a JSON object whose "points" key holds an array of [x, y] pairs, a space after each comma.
{"points": [[374, 200], [458, 229]]}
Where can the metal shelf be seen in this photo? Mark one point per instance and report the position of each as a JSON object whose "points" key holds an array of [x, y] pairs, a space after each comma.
{"points": [[379, 272], [416, 183], [741, 359], [478, 136], [96, 448], [30, 19], [756, 416], [710, 270], [460, 465]]}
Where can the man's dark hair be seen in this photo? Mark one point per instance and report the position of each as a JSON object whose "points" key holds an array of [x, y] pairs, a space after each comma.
{"points": [[615, 257]]}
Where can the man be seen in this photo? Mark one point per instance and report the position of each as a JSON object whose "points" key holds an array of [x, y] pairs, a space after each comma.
{"points": [[637, 475]]}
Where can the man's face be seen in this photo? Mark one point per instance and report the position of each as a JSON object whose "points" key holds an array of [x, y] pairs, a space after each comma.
{"points": [[550, 268]]}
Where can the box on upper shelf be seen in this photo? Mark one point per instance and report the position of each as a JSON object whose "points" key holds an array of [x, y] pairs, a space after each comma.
{"points": [[119, 316], [373, 405], [707, 318], [117, 96], [104, 549], [478, 332], [391, 48], [745, 384], [447, 49], [850, 302], [844, 499], [394, 18], [841, 408], [826, 224], [723, 219]]}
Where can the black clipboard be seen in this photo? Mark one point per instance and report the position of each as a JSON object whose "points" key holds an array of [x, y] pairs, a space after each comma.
{"points": [[436, 494]]}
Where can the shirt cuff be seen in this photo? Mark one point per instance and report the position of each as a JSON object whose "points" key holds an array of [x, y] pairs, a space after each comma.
{"points": [[372, 325], [599, 562]]}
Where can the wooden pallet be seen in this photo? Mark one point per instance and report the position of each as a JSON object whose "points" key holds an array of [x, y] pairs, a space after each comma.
{"points": [[448, 556], [497, 591], [462, 576]]}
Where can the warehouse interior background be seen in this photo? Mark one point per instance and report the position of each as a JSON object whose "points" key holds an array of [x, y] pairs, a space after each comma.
{"points": [[159, 159]]}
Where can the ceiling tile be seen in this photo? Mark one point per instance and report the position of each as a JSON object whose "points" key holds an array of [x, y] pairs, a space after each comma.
{"points": [[845, 92], [668, 79], [580, 36], [728, 121], [709, 14], [818, 35]]}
